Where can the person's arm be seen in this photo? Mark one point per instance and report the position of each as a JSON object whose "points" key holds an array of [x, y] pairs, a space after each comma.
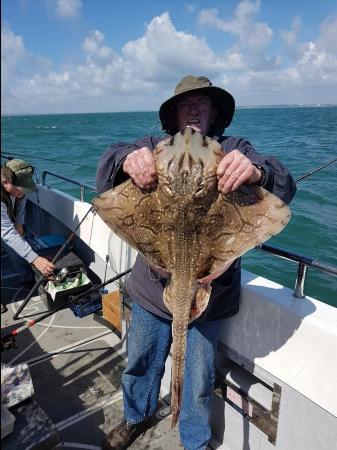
{"points": [[13, 239], [276, 178], [110, 171], [110, 164]]}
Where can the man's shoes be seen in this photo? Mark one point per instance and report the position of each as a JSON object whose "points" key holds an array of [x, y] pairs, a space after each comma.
{"points": [[3, 308], [122, 436]]}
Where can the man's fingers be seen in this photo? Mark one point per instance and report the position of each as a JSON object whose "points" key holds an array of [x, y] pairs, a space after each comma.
{"points": [[150, 164], [233, 172], [48, 269], [226, 185], [242, 179], [229, 183], [229, 164], [140, 165], [224, 164], [143, 181]]}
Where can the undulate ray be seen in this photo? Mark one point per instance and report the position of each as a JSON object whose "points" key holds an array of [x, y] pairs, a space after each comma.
{"points": [[189, 229]]}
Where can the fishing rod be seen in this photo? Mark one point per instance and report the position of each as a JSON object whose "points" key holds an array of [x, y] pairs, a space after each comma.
{"points": [[315, 170], [8, 340], [45, 159], [89, 167], [39, 281]]}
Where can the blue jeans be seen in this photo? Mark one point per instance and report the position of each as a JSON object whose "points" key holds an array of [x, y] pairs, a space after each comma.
{"points": [[149, 342]]}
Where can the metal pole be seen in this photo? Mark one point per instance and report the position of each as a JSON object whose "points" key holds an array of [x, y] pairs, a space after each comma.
{"points": [[300, 280]]}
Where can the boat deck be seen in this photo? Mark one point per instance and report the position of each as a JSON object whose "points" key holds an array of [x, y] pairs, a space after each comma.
{"points": [[76, 366]]}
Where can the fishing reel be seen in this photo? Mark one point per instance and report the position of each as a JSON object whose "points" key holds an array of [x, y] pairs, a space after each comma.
{"points": [[65, 275], [62, 275]]}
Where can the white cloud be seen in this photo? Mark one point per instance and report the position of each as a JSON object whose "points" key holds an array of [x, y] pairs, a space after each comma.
{"points": [[139, 78], [311, 79], [316, 61], [96, 51], [144, 72], [315, 65], [327, 40], [290, 36], [252, 34], [12, 51], [163, 51], [67, 8], [17, 64]]}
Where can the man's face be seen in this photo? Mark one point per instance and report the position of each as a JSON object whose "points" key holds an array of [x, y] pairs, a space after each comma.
{"points": [[12, 190], [195, 111]]}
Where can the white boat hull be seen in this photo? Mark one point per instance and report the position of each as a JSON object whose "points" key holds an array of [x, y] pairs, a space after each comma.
{"points": [[277, 357]]}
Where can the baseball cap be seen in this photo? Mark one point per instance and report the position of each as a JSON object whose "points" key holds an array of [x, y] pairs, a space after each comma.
{"points": [[22, 175]]}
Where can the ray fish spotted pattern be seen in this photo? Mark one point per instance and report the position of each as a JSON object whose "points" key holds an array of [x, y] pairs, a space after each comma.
{"points": [[188, 229]]}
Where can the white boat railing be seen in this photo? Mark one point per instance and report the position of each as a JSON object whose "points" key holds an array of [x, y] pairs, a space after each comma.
{"points": [[303, 262], [82, 186]]}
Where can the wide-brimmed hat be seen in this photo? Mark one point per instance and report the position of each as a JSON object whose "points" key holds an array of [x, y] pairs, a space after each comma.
{"points": [[221, 99], [22, 175]]}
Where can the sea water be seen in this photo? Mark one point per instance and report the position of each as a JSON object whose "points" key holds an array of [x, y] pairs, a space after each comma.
{"points": [[303, 138]]}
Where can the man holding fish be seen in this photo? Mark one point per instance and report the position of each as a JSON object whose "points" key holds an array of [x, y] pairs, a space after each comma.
{"points": [[205, 110]]}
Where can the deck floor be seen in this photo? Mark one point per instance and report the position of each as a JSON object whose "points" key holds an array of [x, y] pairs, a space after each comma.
{"points": [[76, 366]]}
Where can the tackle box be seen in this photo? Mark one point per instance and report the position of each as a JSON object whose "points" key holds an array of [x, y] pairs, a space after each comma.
{"points": [[74, 265]]}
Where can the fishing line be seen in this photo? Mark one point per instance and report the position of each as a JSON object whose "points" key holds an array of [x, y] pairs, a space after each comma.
{"points": [[7, 340], [93, 168], [154, 126], [46, 159], [315, 170]]}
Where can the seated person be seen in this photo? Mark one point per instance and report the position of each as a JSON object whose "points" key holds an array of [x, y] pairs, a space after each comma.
{"points": [[16, 182]]}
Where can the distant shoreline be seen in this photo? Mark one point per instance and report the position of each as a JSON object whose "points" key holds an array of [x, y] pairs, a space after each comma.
{"points": [[154, 111]]}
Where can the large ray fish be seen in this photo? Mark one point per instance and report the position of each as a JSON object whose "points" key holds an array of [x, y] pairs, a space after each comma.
{"points": [[188, 229]]}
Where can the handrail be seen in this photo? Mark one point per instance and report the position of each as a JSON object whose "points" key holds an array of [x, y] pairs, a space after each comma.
{"points": [[82, 186], [303, 264], [303, 261]]}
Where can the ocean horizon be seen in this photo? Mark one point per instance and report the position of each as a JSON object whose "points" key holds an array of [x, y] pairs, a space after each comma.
{"points": [[295, 105]]}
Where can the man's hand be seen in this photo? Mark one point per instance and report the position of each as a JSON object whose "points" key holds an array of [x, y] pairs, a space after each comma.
{"points": [[234, 170], [43, 265], [141, 167]]}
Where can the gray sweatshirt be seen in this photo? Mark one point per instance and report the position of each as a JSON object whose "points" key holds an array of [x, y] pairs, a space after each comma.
{"points": [[11, 237]]}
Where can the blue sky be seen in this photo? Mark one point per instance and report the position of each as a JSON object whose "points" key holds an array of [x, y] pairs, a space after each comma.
{"points": [[63, 56]]}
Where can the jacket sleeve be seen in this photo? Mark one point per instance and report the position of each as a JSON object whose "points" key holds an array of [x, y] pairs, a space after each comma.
{"points": [[13, 239], [110, 163], [278, 179], [110, 171]]}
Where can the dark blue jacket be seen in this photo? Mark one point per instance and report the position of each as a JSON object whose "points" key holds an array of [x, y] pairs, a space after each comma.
{"points": [[144, 285]]}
